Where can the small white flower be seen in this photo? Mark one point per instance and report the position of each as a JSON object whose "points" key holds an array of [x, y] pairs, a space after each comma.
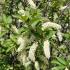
{"points": [[32, 51], [46, 49], [22, 41], [14, 29], [21, 12], [59, 35], [51, 24], [66, 68], [20, 20], [62, 8], [32, 4], [37, 65]]}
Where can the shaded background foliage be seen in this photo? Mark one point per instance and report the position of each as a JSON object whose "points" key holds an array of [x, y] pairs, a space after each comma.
{"points": [[50, 9]]}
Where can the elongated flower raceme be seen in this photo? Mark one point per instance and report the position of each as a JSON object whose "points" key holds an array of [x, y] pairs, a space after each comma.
{"points": [[22, 41], [37, 65], [59, 35], [51, 24], [32, 51], [46, 49], [14, 28], [32, 4]]}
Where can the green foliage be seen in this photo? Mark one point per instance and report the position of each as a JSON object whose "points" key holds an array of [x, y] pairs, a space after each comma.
{"points": [[14, 24]]}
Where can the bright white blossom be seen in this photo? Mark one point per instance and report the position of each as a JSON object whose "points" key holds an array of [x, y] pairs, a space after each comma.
{"points": [[22, 41], [51, 24], [32, 51], [21, 12], [32, 4], [46, 49], [66, 68], [62, 8], [37, 65], [14, 28], [59, 35]]}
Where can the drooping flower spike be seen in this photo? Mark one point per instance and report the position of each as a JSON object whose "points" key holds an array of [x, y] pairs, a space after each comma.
{"points": [[22, 41], [51, 24], [46, 49], [32, 51]]}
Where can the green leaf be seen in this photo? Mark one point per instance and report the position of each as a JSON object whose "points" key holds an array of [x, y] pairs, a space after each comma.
{"points": [[7, 19], [67, 36], [55, 62], [58, 68], [61, 60]]}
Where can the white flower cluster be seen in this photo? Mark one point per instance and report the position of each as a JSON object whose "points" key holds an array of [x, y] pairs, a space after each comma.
{"points": [[50, 24], [22, 41], [46, 49], [21, 12], [22, 57], [55, 26], [32, 51], [14, 29], [32, 4]]}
